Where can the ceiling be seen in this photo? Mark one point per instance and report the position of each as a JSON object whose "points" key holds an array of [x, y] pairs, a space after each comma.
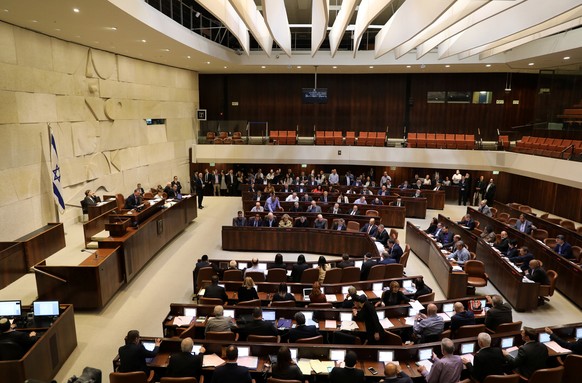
{"points": [[398, 36]]}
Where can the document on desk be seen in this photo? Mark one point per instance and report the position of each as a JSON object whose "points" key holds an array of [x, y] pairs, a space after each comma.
{"points": [[322, 367], [457, 268], [212, 360], [410, 320], [557, 348], [360, 292], [305, 366], [386, 323], [250, 362], [330, 323], [426, 363], [331, 298], [183, 320], [349, 325], [445, 316], [416, 305], [469, 357]]}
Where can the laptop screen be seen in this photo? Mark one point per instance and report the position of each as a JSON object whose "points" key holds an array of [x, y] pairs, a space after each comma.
{"points": [[507, 342], [543, 337], [293, 353], [467, 348], [229, 313], [337, 355], [244, 351], [46, 308], [448, 308], [579, 332], [385, 356], [345, 289], [407, 284], [149, 344], [359, 264], [242, 265], [10, 309], [190, 311], [306, 292], [262, 266], [345, 317], [424, 353], [381, 314], [377, 286], [269, 315], [196, 349]]}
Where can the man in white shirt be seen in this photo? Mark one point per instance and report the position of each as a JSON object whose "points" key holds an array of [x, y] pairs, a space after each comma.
{"points": [[258, 208], [361, 201], [385, 179], [334, 177], [292, 198]]}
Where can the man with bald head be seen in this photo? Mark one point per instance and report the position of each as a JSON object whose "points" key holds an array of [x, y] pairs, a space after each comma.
{"points": [[537, 273], [314, 208], [487, 361], [393, 374], [185, 364], [446, 369], [428, 327], [503, 244], [219, 322], [320, 222], [462, 317], [231, 372], [370, 228]]}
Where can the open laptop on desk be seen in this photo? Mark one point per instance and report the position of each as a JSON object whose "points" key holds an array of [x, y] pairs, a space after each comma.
{"points": [[45, 312], [11, 309], [306, 293], [149, 345], [424, 358], [270, 316]]}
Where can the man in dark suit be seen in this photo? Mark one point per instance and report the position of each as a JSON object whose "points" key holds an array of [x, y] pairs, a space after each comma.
{"points": [[231, 372], [487, 361], [345, 262], [335, 209], [22, 339], [231, 183], [531, 357], [498, 314], [562, 247], [133, 200], [296, 207], [215, 291], [301, 330], [305, 198], [523, 258], [184, 364], [462, 317], [523, 225], [133, 354], [490, 191], [364, 311], [468, 222], [255, 221], [370, 228], [301, 222], [503, 244], [258, 326], [386, 259], [270, 220], [398, 202], [240, 220], [298, 268], [464, 187], [320, 222], [575, 346], [90, 198], [536, 273], [382, 235], [395, 250], [348, 374], [366, 266], [444, 236], [339, 225], [199, 185]]}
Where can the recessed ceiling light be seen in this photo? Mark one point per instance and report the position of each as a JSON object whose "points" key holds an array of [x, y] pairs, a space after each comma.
{"points": [[111, 28], [57, 29], [208, 62], [76, 10], [188, 57], [488, 65], [263, 67], [34, 21], [371, 67], [408, 66], [225, 67], [165, 50], [530, 64], [334, 67], [6, 10], [298, 66], [447, 66], [144, 41], [567, 58]]}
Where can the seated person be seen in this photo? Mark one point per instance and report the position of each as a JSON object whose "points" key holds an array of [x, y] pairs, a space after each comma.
{"points": [[354, 210], [488, 234], [22, 339], [503, 244], [394, 250], [133, 200], [361, 201], [218, 322], [512, 249], [247, 291], [348, 302], [562, 247], [377, 201], [301, 330], [270, 220], [461, 255], [393, 296], [397, 203], [282, 294], [499, 312], [444, 237], [215, 291], [254, 267], [257, 208], [462, 317], [433, 226], [382, 235], [317, 296], [301, 222], [349, 373], [575, 346], [445, 369], [537, 273], [132, 356], [524, 225], [278, 264], [295, 208], [393, 374], [531, 356], [370, 228], [255, 221], [185, 364], [467, 222], [335, 209], [523, 258], [452, 246], [240, 220], [428, 327], [90, 198], [421, 288], [367, 265], [314, 208], [297, 269], [286, 221], [487, 361], [231, 371], [345, 262], [258, 326], [292, 197], [340, 225], [320, 222], [386, 259], [285, 368]]}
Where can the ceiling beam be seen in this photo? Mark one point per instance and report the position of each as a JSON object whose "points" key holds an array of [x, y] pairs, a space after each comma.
{"points": [[223, 11], [340, 24], [275, 15], [319, 20], [367, 12], [247, 11]]}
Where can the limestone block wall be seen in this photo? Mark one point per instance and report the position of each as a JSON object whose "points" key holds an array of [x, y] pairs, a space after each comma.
{"points": [[96, 103]]}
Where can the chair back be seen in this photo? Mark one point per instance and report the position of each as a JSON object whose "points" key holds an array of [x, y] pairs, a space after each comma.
{"points": [[572, 368], [544, 216], [350, 274], [258, 276], [353, 226], [426, 298], [511, 221], [513, 378], [554, 220], [251, 303], [283, 304], [128, 377], [393, 270], [313, 340], [577, 253], [190, 379], [509, 327], [550, 242], [525, 209], [475, 271], [276, 275], [323, 305], [309, 275], [548, 290], [204, 274], [221, 335], [148, 195], [263, 338], [84, 207], [333, 276], [232, 275], [546, 375], [372, 213], [210, 301], [503, 217], [473, 256], [568, 224], [539, 234], [376, 272], [405, 255], [274, 380], [10, 351], [120, 200], [469, 331], [493, 212], [391, 339]]}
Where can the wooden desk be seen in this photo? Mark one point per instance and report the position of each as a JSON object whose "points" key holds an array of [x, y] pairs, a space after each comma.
{"points": [[361, 219], [48, 354], [301, 240], [90, 285], [453, 284], [42, 243], [101, 208], [569, 281], [12, 262]]}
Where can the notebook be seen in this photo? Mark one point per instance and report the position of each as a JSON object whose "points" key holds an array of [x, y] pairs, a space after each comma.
{"points": [[229, 313], [345, 317]]}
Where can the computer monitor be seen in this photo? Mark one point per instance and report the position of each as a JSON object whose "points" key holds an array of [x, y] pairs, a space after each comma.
{"points": [[293, 353], [149, 344], [269, 315], [345, 317], [307, 292], [229, 313], [190, 311], [308, 315], [578, 332], [345, 289], [467, 348], [337, 355], [45, 308], [412, 311], [424, 353], [244, 351], [196, 349], [377, 286], [381, 314], [448, 307], [359, 264], [10, 308], [385, 356], [507, 342], [407, 284], [242, 265], [543, 337], [483, 303], [262, 266]]}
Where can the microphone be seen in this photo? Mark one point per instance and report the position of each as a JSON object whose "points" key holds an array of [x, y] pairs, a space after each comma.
{"points": [[90, 252]]}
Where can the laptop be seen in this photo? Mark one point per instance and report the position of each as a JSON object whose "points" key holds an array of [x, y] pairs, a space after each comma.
{"points": [[45, 312], [306, 293], [359, 264], [244, 351], [344, 317], [543, 337], [337, 355], [309, 318], [229, 313], [196, 349], [242, 265], [425, 353], [467, 348], [149, 345], [10, 309], [578, 332], [262, 266], [507, 342], [269, 316], [190, 312], [407, 284], [385, 356]]}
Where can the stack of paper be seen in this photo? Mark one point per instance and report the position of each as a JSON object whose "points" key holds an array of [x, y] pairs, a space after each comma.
{"points": [[557, 348], [469, 357], [331, 298], [416, 305], [349, 325], [304, 366], [322, 367], [250, 362], [410, 320], [457, 268], [330, 323], [426, 363], [212, 360], [183, 320], [386, 323]]}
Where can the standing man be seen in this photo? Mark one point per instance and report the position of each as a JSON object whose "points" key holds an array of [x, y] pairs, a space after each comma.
{"points": [[216, 179], [463, 191], [230, 183], [177, 184], [480, 186], [199, 183], [490, 191], [364, 311]]}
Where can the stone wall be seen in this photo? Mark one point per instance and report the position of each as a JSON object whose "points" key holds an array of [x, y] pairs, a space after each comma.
{"points": [[96, 103]]}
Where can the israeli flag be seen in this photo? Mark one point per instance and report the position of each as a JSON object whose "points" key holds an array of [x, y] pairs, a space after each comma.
{"points": [[56, 176]]}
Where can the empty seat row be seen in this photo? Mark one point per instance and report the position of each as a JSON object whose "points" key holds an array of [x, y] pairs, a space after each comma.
{"points": [[441, 141], [364, 138], [283, 137], [548, 147], [223, 138]]}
